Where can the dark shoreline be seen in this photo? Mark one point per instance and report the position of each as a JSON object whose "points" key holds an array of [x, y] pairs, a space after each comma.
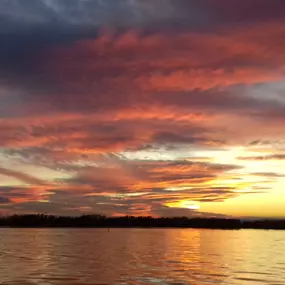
{"points": [[100, 221]]}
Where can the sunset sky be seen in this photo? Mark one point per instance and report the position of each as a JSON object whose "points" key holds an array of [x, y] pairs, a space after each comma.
{"points": [[143, 107]]}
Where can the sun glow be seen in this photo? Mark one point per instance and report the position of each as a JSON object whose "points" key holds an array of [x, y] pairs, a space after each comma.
{"points": [[184, 204]]}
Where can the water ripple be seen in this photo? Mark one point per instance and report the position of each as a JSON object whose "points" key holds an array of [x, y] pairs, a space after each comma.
{"points": [[135, 256]]}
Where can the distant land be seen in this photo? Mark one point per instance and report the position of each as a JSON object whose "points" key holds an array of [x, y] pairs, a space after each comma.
{"points": [[101, 221]]}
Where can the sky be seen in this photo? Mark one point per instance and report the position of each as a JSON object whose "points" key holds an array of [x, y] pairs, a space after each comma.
{"points": [[142, 107]]}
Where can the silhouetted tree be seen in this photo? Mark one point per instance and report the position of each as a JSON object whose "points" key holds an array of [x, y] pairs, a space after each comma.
{"points": [[101, 221]]}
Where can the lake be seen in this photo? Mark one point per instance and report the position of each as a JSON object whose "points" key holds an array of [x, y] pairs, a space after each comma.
{"points": [[141, 256]]}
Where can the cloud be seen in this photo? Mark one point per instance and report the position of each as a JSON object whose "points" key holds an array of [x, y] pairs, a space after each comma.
{"points": [[275, 156], [268, 174], [21, 194], [97, 13], [4, 200], [246, 12], [138, 105], [23, 177], [117, 185], [151, 61], [179, 212], [141, 187]]}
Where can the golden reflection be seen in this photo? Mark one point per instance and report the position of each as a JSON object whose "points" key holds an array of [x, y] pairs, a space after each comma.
{"points": [[139, 256]]}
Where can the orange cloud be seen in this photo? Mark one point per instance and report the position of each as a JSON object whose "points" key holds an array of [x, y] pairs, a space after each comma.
{"points": [[158, 97], [174, 62]]}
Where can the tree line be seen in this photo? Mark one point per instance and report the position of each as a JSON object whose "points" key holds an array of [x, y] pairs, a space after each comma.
{"points": [[101, 221]]}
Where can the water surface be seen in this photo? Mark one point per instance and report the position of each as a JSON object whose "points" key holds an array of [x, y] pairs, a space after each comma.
{"points": [[141, 256]]}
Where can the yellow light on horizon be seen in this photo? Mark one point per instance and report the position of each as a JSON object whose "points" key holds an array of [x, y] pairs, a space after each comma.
{"points": [[184, 205], [194, 207]]}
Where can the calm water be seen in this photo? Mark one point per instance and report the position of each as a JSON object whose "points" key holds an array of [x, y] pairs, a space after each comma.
{"points": [[141, 256]]}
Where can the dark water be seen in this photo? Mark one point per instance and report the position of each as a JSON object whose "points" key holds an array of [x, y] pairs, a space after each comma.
{"points": [[141, 256]]}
